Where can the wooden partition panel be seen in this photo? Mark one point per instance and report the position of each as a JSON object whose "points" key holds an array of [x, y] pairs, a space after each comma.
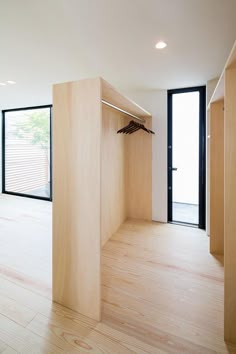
{"points": [[100, 179], [113, 183], [139, 174], [217, 177], [126, 173], [76, 196], [111, 95], [230, 205]]}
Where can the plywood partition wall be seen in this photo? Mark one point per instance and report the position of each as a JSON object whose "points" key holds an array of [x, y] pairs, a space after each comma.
{"points": [[113, 170], [226, 90], [76, 196], [217, 177], [126, 173], [100, 179], [139, 174], [230, 204]]}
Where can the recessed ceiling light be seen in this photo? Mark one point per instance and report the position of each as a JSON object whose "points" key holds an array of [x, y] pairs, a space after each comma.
{"points": [[11, 82], [2, 84], [161, 45]]}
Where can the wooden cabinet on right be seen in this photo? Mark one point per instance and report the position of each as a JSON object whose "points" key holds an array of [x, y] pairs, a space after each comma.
{"points": [[217, 177], [223, 186]]}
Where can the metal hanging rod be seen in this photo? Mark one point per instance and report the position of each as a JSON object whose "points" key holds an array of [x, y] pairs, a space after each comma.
{"points": [[122, 111]]}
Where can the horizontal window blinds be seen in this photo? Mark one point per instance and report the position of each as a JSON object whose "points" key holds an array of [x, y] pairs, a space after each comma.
{"points": [[27, 152]]}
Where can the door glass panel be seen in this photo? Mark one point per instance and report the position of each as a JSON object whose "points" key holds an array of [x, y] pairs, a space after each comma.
{"points": [[185, 150], [27, 152]]}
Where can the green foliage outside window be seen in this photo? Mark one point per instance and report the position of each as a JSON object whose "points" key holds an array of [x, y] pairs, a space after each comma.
{"points": [[34, 127]]}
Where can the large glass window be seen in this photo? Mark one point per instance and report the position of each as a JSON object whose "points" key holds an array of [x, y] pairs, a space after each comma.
{"points": [[185, 150], [187, 155], [27, 152]]}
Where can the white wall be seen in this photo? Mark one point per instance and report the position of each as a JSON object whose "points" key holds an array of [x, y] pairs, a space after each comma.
{"points": [[156, 103], [211, 85]]}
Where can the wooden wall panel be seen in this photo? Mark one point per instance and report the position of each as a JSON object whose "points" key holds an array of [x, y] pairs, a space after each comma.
{"points": [[217, 177], [139, 174], [113, 184], [230, 205], [100, 178], [76, 196], [111, 95]]}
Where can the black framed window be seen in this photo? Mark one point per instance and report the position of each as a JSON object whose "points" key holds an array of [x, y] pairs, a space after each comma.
{"points": [[187, 156], [27, 152]]}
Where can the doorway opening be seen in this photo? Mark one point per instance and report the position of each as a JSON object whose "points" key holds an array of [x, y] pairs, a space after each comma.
{"points": [[187, 156]]}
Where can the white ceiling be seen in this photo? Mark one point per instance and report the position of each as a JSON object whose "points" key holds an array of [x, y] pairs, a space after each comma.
{"points": [[48, 41]]}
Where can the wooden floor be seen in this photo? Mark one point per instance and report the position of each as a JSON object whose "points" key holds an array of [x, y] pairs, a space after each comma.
{"points": [[26, 241], [162, 293]]}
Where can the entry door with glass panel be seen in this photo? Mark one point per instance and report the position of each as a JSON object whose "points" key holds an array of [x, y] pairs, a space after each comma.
{"points": [[26, 152], [186, 156]]}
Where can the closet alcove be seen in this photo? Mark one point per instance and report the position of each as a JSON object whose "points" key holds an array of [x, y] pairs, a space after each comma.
{"points": [[101, 178], [222, 108]]}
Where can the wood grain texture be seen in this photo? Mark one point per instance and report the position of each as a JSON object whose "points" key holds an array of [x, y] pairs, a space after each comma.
{"points": [[162, 293], [162, 287], [76, 196], [99, 178], [126, 173], [230, 205], [9, 350], [19, 313], [23, 340], [219, 92], [113, 167], [56, 329], [69, 335], [139, 174], [217, 177], [21, 226], [111, 95]]}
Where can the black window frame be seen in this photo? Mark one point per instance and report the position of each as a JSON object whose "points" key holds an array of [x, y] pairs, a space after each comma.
{"points": [[4, 191], [202, 152]]}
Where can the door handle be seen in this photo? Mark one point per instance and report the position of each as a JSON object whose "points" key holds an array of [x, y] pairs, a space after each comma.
{"points": [[173, 168]]}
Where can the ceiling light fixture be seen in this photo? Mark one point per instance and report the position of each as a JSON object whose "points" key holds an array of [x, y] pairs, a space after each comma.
{"points": [[2, 84], [11, 82], [161, 45]]}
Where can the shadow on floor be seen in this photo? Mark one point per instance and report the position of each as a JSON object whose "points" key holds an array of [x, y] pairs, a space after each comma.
{"points": [[219, 258]]}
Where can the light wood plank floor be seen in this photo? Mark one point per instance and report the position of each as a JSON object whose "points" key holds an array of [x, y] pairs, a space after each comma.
{"points": [[162, 292], [26, 241]]}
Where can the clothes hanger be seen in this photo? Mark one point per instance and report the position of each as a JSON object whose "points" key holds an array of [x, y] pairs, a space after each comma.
{"points": [[127, 128], [132, 127], [147, 130], [122, 130]]}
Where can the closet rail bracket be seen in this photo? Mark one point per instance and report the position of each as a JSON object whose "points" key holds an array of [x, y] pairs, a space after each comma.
{"points": [[123, 111]]}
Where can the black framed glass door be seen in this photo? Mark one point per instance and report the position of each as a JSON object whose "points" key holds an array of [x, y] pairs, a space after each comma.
{"points": [[187, 156], [27, 152]]}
